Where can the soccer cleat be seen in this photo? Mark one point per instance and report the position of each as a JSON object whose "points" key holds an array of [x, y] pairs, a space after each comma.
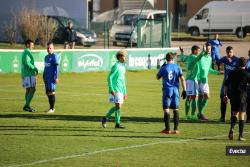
{"points": [[50, 111], [176, 132], [231, 135], [242, 139], [119, 126], [26, 108], [199, 116], [222, 120], [187, 117], [166, 131], [104, 120], [32, 110], [193, 118], [203, 117]]}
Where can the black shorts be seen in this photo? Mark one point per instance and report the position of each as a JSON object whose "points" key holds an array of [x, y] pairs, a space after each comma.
{"points": [[238, 104]]}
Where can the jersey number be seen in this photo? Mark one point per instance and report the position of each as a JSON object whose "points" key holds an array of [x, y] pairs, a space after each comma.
{"points": [[170, 75]]}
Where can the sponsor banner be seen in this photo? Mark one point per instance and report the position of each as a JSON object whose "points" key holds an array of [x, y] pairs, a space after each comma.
{"points": [[86, 60], [90, 61], [141, 59]]}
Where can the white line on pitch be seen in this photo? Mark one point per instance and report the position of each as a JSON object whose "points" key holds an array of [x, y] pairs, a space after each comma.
{"points": [[112, 149]]}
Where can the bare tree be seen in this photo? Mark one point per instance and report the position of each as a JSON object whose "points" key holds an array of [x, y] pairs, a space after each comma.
{"points": [[28, 23], [46, 30], [36, 27]]}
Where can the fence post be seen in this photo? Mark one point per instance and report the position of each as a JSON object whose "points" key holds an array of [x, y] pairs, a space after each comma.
{"points": [[163, 33], [139, 41], [151, 29]]}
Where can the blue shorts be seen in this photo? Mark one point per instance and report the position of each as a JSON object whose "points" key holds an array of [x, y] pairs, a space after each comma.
{"points": [[50, 86], [215, 55], [170, 98]]}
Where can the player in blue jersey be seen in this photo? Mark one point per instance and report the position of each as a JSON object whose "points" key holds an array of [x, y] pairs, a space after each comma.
{"points": [[50, 75], [230, 62], [170, 74], [248, 90], [215, 51]]}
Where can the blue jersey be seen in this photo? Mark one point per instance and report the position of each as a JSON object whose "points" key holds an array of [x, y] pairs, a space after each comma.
{"points": [[248, 70], [51, 68], [170, 74], [215, 49], [229, 66]]}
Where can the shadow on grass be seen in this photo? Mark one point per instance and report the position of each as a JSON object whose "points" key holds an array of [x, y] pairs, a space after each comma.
{"points": [[95, 118], [176, 138]]}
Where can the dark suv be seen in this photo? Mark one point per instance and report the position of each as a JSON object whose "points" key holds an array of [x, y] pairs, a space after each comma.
{"points": [[84, 36]]}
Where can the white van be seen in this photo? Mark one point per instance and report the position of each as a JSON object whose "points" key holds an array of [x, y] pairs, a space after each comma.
{"points": [[221, 17], [124, 25]]}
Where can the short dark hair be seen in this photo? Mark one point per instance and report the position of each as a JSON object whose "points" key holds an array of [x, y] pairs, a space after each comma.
{"points": [[242, 62], [229, 48], [49, 43], [170, 56], [28, 42], [195, 47], [208, 44]]}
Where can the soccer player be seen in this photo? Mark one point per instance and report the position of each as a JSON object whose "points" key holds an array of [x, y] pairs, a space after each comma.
{"points": [[205, 68], [238, 80], [170, 74], [117, 89], [29, 72], [230, 62], [215, 52], [50, 75], [191, 79], [248, 90]]}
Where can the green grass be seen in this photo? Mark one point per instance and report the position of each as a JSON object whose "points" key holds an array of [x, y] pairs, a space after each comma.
{"points": [[74, 135]]}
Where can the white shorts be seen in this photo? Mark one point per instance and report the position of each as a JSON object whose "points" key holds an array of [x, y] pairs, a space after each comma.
{"points": [[29, 82], [118, 98], [203, 88], [192, 87]]}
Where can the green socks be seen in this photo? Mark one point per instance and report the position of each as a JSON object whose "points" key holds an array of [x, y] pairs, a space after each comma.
{"points": [[193, 103], [117, 114], [28, 98], [202, 103], [187, 106], [110, 112], [117, 117]]}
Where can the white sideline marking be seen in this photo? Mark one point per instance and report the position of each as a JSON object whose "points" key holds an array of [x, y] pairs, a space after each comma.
{"points": [[112, 149]]}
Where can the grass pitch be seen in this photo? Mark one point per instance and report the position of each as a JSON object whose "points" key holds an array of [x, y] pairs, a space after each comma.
{"points": [[73, 135]]}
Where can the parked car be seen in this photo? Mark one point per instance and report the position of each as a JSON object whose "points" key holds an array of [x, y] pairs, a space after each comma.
{"points": [[84, 36], [122, 29]]}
